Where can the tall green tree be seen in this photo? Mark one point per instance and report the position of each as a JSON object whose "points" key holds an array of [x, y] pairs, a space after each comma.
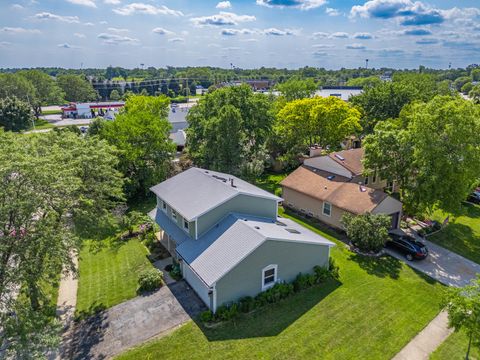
{"points": [[51, 183], [474, 94], [141, 133], [47, 90], [76, 88], [463, 307], [438, 145], [15, 115], [115, 95], [296, 88], [12, 85], [209, 135], [322, 121]]}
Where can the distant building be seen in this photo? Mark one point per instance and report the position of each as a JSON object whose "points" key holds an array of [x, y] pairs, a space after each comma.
{"points": [[341, 92], [200, 90], [90, 110]]}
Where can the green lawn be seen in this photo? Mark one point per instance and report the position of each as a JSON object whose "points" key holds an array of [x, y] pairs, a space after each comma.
{"points": [[42, 124], [376, 309], [51, 112], [462, 235], [455, 348], [109, 273], [270, 182]]}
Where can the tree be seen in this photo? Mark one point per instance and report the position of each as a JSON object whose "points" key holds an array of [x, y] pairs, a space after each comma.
{"points": [[463, 307], [295, 89], [367, 231], [475, 74], [76, 88], [323, 121], [12, 85], [47, 90], [15, 115], [433, 152], [51, 184], [211, 134], [141, 133], [459, 82], [383, 102], [370, 81], [474, 94], [115, 95], [466, 88]]}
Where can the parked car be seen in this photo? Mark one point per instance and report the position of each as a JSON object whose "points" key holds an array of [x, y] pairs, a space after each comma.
{"points": [[474, 197], [407, 245]]}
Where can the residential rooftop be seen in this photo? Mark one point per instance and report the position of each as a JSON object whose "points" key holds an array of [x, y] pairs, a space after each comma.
{"points": [[350, 160]]}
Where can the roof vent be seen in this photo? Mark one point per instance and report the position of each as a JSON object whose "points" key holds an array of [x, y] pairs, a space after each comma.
{"points": [[339, 157], [279, 223], [293, 231], [257, 227], [206, 172]]}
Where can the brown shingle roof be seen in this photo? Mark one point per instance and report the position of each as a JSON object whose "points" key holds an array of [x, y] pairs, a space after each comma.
{"points": [[345, 195], [352, 159]]}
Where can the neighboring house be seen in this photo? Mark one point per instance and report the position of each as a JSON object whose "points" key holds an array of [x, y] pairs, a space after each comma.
{"points": [[326, 187], [228, 238]]}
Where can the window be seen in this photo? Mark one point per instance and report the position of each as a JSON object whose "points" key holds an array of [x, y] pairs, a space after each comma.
{"points": [[269, 276], [164, 206], [327, 209], [174, 215], [366, 180], [185, 224]]}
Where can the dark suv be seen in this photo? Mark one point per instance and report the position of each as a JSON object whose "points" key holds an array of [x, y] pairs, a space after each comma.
{"points": [[407, 245]]}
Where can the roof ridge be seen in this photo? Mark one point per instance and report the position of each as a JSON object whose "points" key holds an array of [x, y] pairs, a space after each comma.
{"points": [[207, 173]]}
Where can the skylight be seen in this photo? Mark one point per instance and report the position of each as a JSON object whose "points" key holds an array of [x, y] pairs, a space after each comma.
{"points": [[339, 157], [293, 231]]}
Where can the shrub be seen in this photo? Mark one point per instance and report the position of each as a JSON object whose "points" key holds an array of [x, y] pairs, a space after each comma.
{"points": [[333, 269], [206, 316], [321, 274], [150, 280], [303, 281], [176, 271], [246, 304], [367, 231], [227, 312]]}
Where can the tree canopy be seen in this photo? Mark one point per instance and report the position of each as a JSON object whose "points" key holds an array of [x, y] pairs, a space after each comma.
{"points": [[76, 88], [323, 121], [141, 133], [15, 115], [50, 184], [229, 128], [432, 151], [297, 88]]}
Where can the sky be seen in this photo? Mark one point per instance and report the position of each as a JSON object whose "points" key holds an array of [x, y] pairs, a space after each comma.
{"points": [[241, 33]]}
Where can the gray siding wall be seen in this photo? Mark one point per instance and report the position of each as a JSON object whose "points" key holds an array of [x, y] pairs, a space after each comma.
{"points": [[291, 258], [242, 204], [191, 224]]}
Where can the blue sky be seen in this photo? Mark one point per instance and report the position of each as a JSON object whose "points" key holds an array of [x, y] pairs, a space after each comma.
{"points": [[246, 33]]}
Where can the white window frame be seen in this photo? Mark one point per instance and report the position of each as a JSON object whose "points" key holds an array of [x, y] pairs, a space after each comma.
{"points": [[174, 215], [275, 276], [186, 228], [323, 209], [164, 206]]}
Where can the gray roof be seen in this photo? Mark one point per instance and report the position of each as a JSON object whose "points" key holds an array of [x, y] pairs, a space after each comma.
{"points": [[234, 238], [196, 191]]}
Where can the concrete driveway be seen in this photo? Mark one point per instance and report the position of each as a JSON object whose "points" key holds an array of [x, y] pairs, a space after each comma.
{"points": [[135, 321], [443, 265]]}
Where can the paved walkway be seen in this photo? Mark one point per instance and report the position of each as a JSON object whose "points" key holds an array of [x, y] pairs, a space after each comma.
{"points": [[450, 269], [66, 303], [135, 321], [426, 341]]}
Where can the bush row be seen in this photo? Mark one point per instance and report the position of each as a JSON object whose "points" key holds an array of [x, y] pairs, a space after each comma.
{"points": [[276, 293]]}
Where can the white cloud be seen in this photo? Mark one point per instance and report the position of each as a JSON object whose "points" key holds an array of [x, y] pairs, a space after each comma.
{"points": [[339, 35], [296, 4], [320, 35], [319, 54], [117, 30], [278, 32], [224, 5], [176, 40], [17, 7], [332, 12], [355, 47], [89, 24], [67, 46], [141, 8], [222, 19], [323, 46], [233, 32], [88, 3], [363, 36], [79, 35], [112, 2], [162, 31], [18, 30], [50, 16], [103, 22], [115, 39]]}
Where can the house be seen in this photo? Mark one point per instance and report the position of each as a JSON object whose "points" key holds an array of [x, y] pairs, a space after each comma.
{"points": [[227, 236], [327, 187]]}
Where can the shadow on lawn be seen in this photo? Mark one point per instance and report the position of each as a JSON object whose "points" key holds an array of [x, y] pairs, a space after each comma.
{"points": [[270, 320], [385, 266]]}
